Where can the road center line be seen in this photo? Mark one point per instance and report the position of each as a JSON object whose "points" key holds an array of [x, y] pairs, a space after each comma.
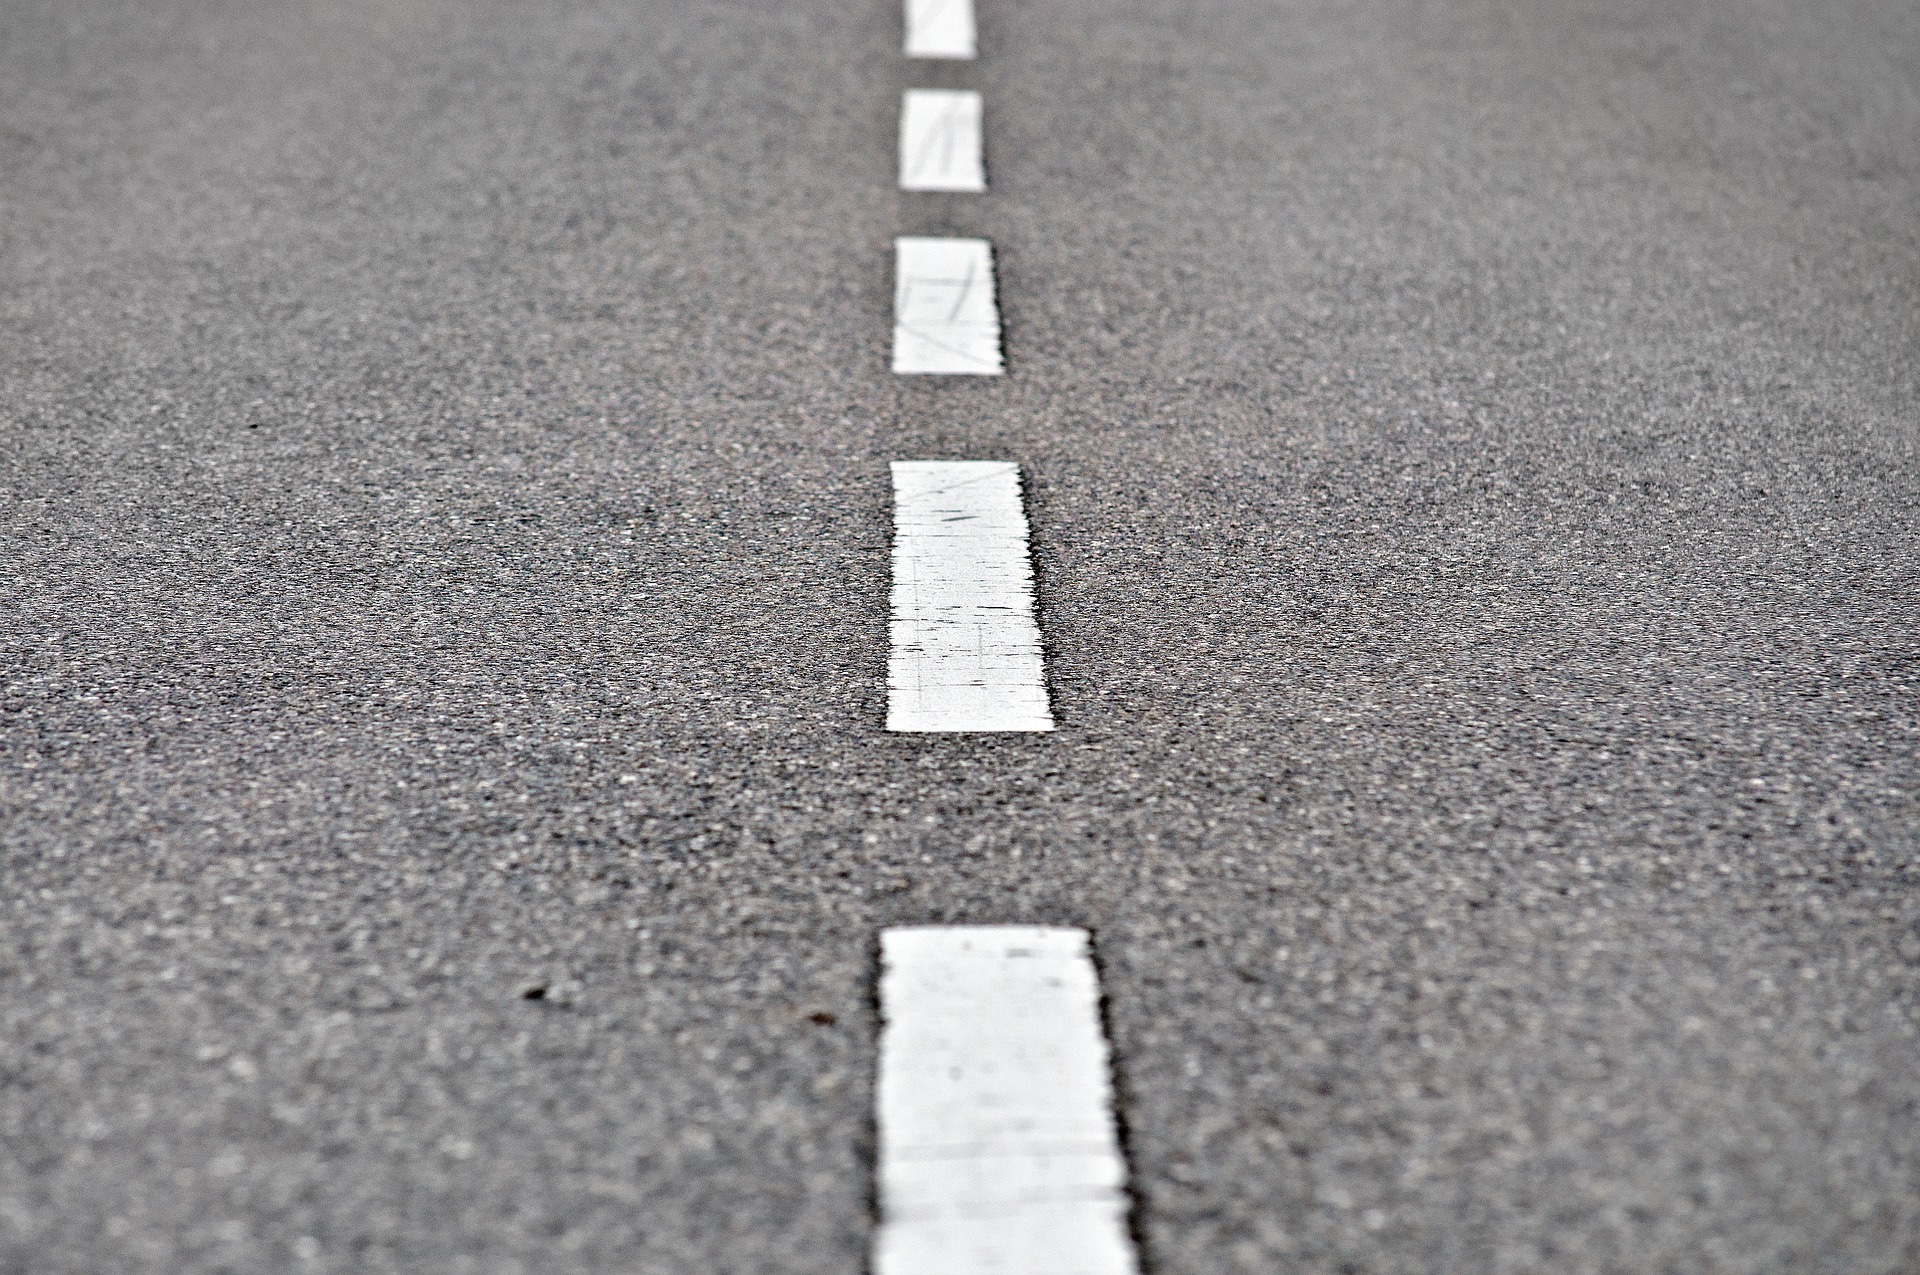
{"points": [[946, 320], [965, 649], [940, 141], [998, 1149], [940, 28]]}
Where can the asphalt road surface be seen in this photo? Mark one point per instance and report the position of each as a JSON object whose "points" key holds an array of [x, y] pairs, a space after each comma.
{"points": [[1473, 461]]}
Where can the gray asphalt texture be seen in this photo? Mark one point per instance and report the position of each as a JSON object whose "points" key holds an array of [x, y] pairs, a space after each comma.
{"points": [[1474, 455]]}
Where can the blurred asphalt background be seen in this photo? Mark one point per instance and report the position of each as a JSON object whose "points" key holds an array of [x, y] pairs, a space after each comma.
{"points": [[1474, 455]]}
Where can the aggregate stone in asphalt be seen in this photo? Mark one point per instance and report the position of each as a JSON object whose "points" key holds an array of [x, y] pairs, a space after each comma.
{"points": [[1473, 467]]}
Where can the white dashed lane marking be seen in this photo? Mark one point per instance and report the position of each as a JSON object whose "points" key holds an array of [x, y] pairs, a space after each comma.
{"points": [[946, 320], [965, 650], [940, 141], [940, 28], [998, 1149]]}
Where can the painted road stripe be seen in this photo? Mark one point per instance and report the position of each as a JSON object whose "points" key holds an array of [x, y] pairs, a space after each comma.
{"points": [[940, 141], [998, 1149], [945, 317], [965, 648], [940, 29]]}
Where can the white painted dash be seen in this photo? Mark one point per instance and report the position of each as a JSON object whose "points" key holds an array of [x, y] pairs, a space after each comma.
{"points": [[940, 141], [965, 649], [998, 1149], [946, 319], [940, 29]]}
